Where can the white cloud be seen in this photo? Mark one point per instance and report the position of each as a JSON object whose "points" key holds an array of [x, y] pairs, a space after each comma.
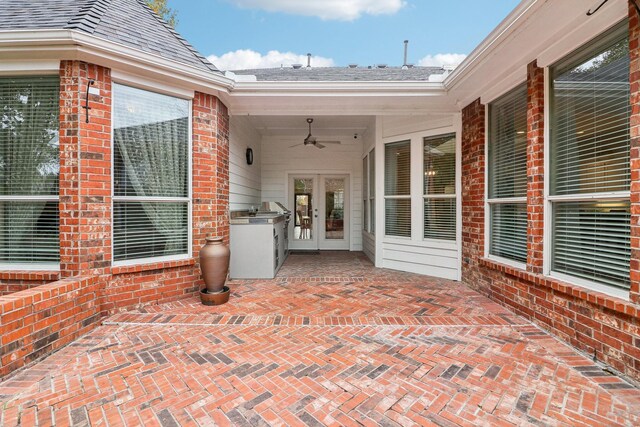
{"points": [[245, 59], [342, 10], [442, 60]]}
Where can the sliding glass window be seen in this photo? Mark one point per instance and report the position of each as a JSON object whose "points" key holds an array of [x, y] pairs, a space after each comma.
{"points": [[29, 171], [151, 170]]}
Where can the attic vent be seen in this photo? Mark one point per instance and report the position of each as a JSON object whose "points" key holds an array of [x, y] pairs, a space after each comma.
{"points": [[353, 65], [297, 66], [382, 65]]}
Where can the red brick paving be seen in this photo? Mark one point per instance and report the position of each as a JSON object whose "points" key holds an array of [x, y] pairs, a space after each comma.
{"points": [[405, 351]]}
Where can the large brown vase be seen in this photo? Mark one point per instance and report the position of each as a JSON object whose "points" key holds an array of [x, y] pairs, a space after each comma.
{"points": [[214, 263]]}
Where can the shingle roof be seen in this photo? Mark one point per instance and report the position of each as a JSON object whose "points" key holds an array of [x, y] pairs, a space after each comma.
{"points": [[129, 22], [337, 74]]}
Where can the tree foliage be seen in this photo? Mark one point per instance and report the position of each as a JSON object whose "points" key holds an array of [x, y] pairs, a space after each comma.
{"points": [[160, 7]]}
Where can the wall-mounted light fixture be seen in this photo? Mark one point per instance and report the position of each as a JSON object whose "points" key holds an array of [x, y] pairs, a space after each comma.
{"points": [[90, 83], [249, 155]]}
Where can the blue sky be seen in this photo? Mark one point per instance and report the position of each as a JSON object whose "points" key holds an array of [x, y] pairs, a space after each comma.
{"points": [[241, 33]]}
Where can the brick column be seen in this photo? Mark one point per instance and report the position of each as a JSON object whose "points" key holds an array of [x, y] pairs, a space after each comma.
{"points": [[473, 164], [210, 169], [535, 167], [85, 170], [634, 56]]}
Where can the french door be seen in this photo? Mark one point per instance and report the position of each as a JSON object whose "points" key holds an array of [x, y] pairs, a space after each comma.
{"points": [[320, 212]]}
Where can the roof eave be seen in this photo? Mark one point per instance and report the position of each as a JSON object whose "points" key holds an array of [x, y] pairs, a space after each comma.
{"points": [[363, 88], [73, 44]]}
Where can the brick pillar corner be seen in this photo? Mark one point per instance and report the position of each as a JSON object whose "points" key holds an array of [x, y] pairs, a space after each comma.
{"points": [[210, 169], [634, 75], [85, 170], [473, 172], [535, 167]]}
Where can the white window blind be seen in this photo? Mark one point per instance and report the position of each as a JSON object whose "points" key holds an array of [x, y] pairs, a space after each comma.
{"points": [[397, 189], [29, 170], [589, 160], [372, 191], [365, 193], [507, 175], [151, 175], [439, 183]]}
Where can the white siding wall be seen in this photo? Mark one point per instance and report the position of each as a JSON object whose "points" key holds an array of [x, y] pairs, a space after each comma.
{"points": [[416, 255], [244, 181], [278, 161]]}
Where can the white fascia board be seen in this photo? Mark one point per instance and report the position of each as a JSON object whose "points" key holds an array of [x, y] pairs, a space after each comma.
{"points": [[75, 45], [358, 88], [502, 32]]}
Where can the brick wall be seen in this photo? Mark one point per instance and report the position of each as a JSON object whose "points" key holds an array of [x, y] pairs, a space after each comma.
{"points": [[473, 161], [602, 326], [38, 321]]}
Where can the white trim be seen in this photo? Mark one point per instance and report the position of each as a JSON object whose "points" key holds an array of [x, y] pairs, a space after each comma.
{"points": [[487, 206], [188, 200], [515, 264], [439, 196], [616, 195], [29, 67], [606, 18], [151, 199], [547, 232], [50, 198], [151, 85], [507, 200], [156, 260], [457, 125], [598, 287], [504, 85], [6, 267]]}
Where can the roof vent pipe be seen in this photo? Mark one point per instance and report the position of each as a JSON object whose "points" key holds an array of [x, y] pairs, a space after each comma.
{"points": [[406, 51], [297, 66], [308, 60]]}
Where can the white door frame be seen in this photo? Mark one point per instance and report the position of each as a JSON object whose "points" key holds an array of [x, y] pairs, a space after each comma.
{"points": [[318, 242]]}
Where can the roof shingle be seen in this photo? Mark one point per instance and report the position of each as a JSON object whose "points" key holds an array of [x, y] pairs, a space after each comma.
{"points": [[337, 74], [129, 22]]}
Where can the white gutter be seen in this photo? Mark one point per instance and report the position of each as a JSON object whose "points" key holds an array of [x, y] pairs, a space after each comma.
{"points": [[502, 32], [333, 88]]}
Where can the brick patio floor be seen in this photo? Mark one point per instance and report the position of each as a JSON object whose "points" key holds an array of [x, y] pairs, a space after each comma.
{"points": [[331, 340]]}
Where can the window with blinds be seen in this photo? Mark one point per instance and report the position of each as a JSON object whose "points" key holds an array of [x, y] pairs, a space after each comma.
{"points": [[365, 193], [397, 189], [439, 184], [372, 191], [29, 170], [151, 175], [589, 160], [507, 176]]}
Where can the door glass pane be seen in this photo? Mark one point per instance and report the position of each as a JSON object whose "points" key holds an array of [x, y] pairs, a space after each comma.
{"points": [[334, 213], [303, 201]]}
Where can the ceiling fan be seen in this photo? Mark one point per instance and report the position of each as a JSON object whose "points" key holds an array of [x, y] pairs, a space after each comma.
{"points": [[311, 140]]}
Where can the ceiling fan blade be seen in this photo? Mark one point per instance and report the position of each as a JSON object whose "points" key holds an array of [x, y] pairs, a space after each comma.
{"points": [[291, 146], [329, 142], [317, 145]]}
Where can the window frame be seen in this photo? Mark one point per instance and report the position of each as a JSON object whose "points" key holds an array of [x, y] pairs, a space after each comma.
{"points": [[39, 266], [491, 202], [181, 200], [409, 197], [583, 52], [367, 198], [443, 196]]}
